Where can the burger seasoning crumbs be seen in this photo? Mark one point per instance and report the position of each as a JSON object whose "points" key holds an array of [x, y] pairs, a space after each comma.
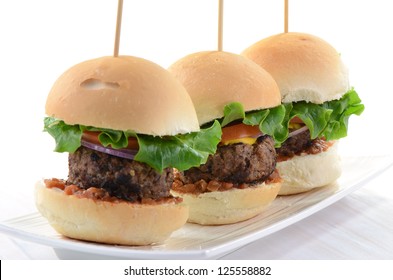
{"points": [[202, 186], [101, 194], [316, 146]]}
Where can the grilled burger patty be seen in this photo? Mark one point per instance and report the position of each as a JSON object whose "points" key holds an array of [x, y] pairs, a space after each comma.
{"points": [[237, 163], [123, 178], [301, 143]]}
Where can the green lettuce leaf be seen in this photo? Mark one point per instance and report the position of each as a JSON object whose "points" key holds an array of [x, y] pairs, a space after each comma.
{"points": [[272, 121], [315, 116], [276, 123], [67, 137], [116, 139], [349, 104], [330, 119], [232, 111], [180, 151]]}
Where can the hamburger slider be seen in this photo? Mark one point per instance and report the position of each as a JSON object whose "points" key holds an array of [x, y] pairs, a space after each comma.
{"points": [[125, 122], [239, 180], [315, 89]]}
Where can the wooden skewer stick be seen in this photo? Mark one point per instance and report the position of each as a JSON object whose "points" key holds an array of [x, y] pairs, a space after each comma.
{"points": [[286, 16], [118, 27], [220, 23]]}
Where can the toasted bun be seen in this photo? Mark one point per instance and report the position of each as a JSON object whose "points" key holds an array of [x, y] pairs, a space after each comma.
{"points": [[304, 66], [106, 222], [214, 78], [231, 206], [306, 172], [122, 93]]}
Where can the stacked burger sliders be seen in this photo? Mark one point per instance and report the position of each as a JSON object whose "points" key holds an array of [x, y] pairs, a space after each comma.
{"points": [[315, 90], [240, 179], [125, 123]]}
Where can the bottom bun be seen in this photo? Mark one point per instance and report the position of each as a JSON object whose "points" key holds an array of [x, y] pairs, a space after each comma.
{"points": [[306, 172], [231, 206], [120, 223]]}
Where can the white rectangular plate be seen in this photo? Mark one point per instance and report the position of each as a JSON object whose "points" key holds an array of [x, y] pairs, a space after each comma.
{"points": [[207, 242]]}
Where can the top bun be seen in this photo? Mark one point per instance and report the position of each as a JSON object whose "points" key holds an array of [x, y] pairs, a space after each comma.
{"points": [[215, 78], [305, 67], [122, 93]]}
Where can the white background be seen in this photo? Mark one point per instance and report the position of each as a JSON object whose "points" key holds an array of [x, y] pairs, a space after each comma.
{"points": [[40, 39]]}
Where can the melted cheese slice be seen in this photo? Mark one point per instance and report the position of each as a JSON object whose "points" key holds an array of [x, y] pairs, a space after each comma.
{"points": [[246, 140], [295, 125]]}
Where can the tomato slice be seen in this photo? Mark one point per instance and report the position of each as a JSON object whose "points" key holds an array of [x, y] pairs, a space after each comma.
{"points": [[238, 131], [92, 137], [296, 120]]}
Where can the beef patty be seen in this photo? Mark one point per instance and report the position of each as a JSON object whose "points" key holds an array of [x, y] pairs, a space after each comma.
{"points": [[237, 163], [299, 144], [125, 179]]}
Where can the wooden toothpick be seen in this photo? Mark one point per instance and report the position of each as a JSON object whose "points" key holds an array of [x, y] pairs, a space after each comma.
{"points": [[286, 16], [220, 23], [118, 27]]}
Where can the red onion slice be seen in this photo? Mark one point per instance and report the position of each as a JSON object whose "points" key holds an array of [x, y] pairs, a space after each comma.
{"points": [[123, 153], [297, 131]]}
